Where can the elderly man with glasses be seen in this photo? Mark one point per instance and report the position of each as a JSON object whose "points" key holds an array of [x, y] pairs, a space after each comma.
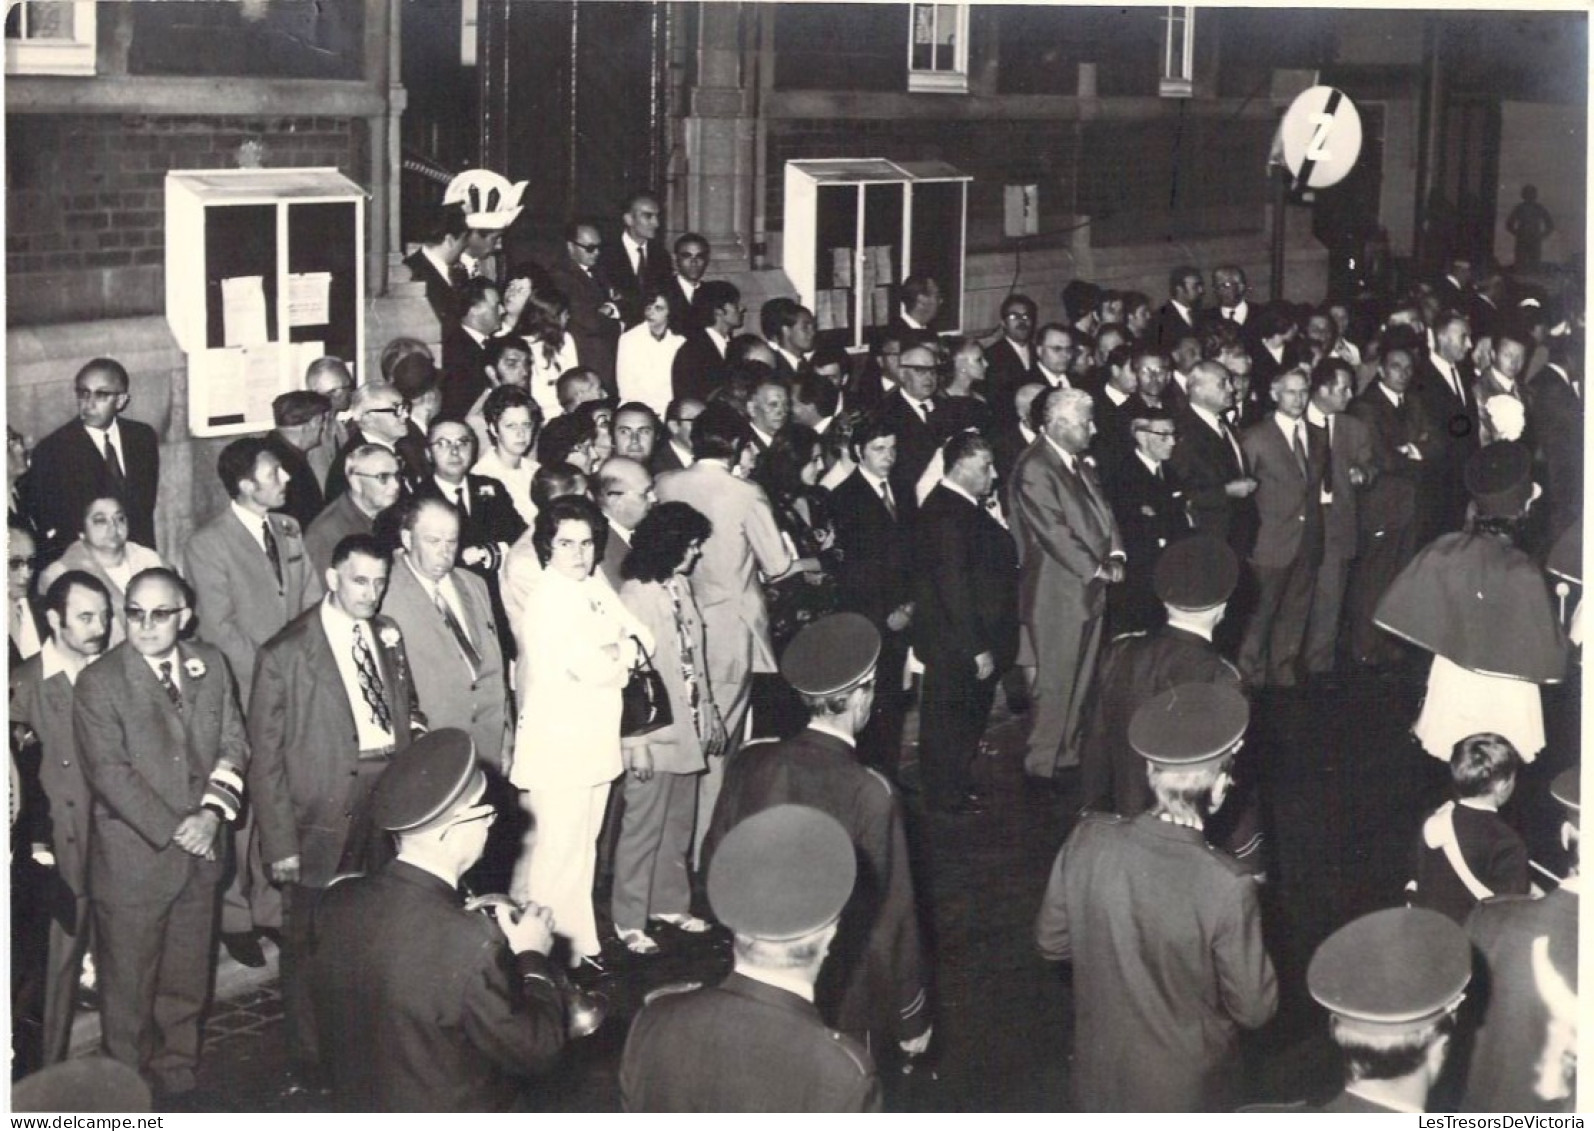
{"points": [[97, 454], [375, 484], [379, 414]]}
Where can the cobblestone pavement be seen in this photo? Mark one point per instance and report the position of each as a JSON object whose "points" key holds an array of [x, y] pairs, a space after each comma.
{"points": [[1344, 789]]}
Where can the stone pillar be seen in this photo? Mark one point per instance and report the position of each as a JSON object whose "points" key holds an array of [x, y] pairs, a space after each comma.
{"points": [[720, 128]]}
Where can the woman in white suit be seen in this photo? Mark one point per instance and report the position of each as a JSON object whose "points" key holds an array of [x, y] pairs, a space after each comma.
{"points": [[581, 644]]}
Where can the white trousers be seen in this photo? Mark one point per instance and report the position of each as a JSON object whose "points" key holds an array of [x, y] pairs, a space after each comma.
{"points": [[564, 858]]}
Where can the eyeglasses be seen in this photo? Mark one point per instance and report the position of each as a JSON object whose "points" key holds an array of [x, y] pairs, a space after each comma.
{"points": [[1017, 314], [19, 563], [1171, 434], [396, 410], [919, 369], [156, 617], [588, 246], [383, 477], [448, 445], [97, 394]]}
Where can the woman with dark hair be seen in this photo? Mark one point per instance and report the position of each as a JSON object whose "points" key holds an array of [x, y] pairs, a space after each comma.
{"points": [[581, 643], [568, 438], [103, 551], [553, 351], [647, 352], [789, 474], [521, 570], [511, 419], [662, 768]]}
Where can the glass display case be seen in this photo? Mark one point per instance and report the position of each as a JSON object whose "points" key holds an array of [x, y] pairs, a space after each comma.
{"points": [[855, 228]]}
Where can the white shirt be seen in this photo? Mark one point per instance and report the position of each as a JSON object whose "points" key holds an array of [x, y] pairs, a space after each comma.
{"points": [[1184, 311], [762, 435], [634, 250], [683, 454], [476, 335], [923, 409], [1394, 397], [876, 484], [1222, 429], [643, 364], [1238, 313], [1291, 430], [114, 435], [155, 663], [1055, 380], [913, 323], [1152, 466], [456, 493], [1022, 349], [825, 726], [721, 342], [253, 523], [59, 661], [1070, 461], [688, 288], [1448, 372], [796, 362], [339, 627], [1113, 394], [436, 261]]}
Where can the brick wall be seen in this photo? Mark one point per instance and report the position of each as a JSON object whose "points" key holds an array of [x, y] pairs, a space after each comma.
{"points": [[85, 200]]}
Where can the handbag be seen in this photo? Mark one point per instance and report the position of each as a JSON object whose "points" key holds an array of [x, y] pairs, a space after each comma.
{"points": [[644, 701]]}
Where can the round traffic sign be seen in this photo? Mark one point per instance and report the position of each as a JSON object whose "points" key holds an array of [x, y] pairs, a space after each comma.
{"points": [[1322, 137]]}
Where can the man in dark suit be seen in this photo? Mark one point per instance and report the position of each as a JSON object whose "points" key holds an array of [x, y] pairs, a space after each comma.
{"points": [[920, 302], [98, 454], [26, 624], [436, 261], [873, 577], [673, 450], [691, 263], [1348, 450], [466, 684], [700, 364], [1011, 358], [380, 415], [965, 624], [755, 1042], [465, 347], [251, 575], [1013, 436], [1070, 551], [593, 303], [1150, 510], [1116, 405], [1287, 459], [333, 701], [636, 260], [1273, 349], [789, 328], [1211, 464], [301, 427], [42, 693], [1153, 920], [489, 522], [1403, 444], [162, 740], [915, 414], [408, 1039], [1557, 400], [625, 495], [1442, 385], [875, 981], [1181, 314]]}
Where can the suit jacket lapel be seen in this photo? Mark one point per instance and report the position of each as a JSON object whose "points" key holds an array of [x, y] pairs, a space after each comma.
{"points": [[253, 556], [321, 662], [141, 677]]}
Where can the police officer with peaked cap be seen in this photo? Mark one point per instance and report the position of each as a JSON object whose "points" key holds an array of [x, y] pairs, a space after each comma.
{"points": [[756, 1042], [436, 1008], [1194, 578], [1164, 931], [874, 982]]}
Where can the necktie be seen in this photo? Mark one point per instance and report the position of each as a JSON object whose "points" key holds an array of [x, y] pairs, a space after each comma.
{"points": [[273, 555], [370, 680], [170, 685], [113, 465], [461, 637], [1228, 312], [1234, 445], [459, 498], [924, 411], [1299, 447], [885, 495], [457, 275], [1328, 459], [642, 262]]}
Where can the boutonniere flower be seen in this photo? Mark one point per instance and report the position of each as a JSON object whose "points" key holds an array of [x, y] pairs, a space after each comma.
{"points": [[1506, 414], [194, 668], [389, 637], [487, 491]]}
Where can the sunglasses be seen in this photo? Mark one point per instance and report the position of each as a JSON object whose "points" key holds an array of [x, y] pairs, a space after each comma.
{"points": [[157, 617], [588, 246]]}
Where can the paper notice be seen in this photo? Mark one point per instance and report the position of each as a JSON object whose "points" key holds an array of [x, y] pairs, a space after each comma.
{"points": [[823, 318], [884, 273], [880, 306], [261, 379], [841, 307], [308, 304], [841, 266], [243, 311]]}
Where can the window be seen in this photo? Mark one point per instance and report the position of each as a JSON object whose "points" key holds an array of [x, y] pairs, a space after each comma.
{"points": [[938, 48], [1178, 52], [50, 37]]}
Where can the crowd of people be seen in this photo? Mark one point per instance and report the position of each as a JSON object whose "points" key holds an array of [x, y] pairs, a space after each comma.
{"points": [[435, 595]]}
